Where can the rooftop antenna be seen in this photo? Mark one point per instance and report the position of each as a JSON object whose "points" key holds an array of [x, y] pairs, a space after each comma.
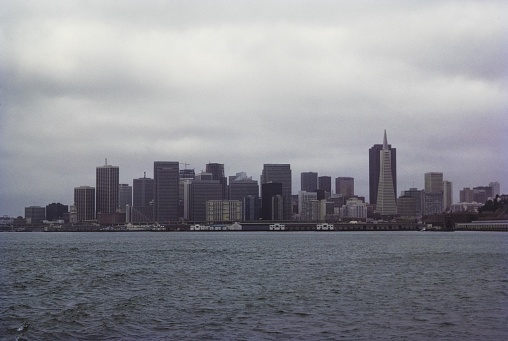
{"points": [[144, 174], [106, 161]]}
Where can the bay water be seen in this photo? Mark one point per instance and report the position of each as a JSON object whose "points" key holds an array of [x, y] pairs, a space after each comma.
{"points": [[254, 286]]}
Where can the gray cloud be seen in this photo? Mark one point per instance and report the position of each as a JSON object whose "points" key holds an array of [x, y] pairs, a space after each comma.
{"points": [[245, 83]]}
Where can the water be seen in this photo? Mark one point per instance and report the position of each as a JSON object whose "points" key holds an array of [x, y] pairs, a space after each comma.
{"points": [[254, 286]]}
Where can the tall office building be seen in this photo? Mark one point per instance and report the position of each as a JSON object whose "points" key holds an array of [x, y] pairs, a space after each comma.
{"points": [[198, 192], [447, 195], [272, 201], [35, 214], [325, 184], [434, 200], [345, 186], [466, 195], [124, 196], [434, 182], [496, 188], [165, 191], [56, 211], [106, 189], [217, 171], [84, 202], [280, 173], [375, 170], [241, 187], [385, 203], [418, 194], [308, 181], [142, 191]]}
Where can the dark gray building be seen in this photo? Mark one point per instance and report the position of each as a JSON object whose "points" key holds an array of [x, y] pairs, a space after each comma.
{"points": [[199, 192], [56, 211], [35, 214], [309, 181], [124, 196], [217, 171], [345, 186], [165, 191], [271, 198], [325, 184], [142, 191], [280, 173]]}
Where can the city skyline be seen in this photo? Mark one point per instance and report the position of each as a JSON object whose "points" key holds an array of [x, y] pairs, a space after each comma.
{"points": [[310, 84]]}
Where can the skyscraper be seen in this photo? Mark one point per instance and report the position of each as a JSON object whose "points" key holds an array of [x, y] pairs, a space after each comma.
{"points": [[385, 203], [433, 193], [84, 201], [106, 189], [280, 173], [309, 181], [434, 182], [142, 191], [124, 196], [271, 198], [217, 171], [345, 186], [447, 195], [325, 184], [165, 191], [374, 170]]}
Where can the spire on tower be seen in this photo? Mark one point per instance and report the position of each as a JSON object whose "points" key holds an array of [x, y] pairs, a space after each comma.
{"points": [[385, 142]]}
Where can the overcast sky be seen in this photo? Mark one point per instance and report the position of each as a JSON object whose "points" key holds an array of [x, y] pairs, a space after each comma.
{"points": [[310, 83]]}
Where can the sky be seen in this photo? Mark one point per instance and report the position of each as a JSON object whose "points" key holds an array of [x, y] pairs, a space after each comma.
{"points": [[244, 83]]}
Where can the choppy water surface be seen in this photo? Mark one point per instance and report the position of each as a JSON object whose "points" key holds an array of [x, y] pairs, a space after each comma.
{"points": [[254, 286]]}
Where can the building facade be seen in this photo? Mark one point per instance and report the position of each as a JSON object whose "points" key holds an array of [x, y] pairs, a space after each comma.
{"points": [[124, 196], [375, 170], [84, 203], [279, 173], [106, 189], [345, 186], [223, 211], [35, 214], [309, 181], [385, 203], [56, 211], [325, 184], [165, 191]]}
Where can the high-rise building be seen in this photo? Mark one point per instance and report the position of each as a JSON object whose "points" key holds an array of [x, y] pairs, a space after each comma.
{"points": [[250, 207], [271, 197], [309, 181], [124, 196], [434, 200], [406, 206], [56, 211], [375, 170], [106, 189], [418, 194], [196, 194], [84, 202], [217, 171], [242, 187], [279, 173], [165, 191], [345, 186], [433, 182], [496, 188], [385, 203], [447, 195], [482, 193], [466, 195], [223, 211], [305, 207], [325, 184], [142, 191], [35, 214]]}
